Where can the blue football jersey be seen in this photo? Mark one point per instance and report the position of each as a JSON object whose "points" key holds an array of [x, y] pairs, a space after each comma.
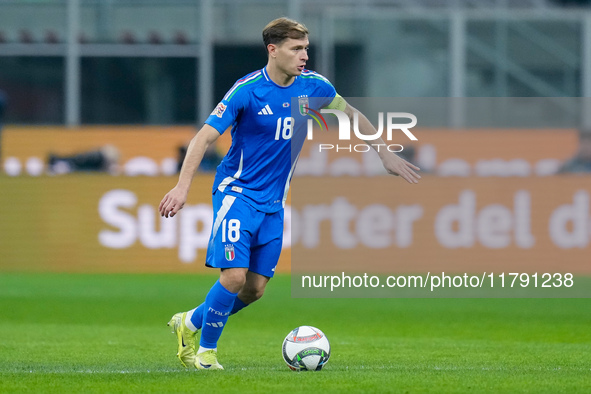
{"points": [[259, 165]]}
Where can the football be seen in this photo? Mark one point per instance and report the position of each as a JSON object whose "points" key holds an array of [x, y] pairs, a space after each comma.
{"points": [[306, 348]]}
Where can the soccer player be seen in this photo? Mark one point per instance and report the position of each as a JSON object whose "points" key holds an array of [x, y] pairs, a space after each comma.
{"points": [[251, 183]]}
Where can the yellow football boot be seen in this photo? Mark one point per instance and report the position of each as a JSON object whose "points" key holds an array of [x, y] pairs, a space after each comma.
{"points": [[185, 338], [207, 360]]}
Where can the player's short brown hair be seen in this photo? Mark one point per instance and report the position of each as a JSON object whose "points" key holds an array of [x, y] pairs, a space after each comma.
{"points": [[281, 29]]}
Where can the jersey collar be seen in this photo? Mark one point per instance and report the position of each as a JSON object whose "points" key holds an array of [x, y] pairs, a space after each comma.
{"points": [[266, 75]]}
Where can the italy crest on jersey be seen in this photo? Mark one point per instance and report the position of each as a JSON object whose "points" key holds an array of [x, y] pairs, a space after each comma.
{"points": [[230, 252], [303, 104]]}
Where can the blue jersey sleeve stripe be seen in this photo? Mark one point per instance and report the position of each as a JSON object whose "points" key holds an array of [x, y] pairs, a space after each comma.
{"points": [[242, 83], [241, 80], [313, 74], [317, 77], [246, 77]]}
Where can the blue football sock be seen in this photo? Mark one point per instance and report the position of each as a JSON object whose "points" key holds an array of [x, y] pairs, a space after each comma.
{"points": [[218, 305], [238, 305], [197, 317]]}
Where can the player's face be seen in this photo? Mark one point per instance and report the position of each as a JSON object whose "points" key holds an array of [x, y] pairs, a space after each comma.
{"points": [[292, 56]]}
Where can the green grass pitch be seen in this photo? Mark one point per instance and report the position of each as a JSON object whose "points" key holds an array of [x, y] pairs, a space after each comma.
{"points": [[87, 333]]}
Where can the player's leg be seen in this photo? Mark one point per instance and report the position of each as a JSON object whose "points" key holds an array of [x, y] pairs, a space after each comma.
{"points": [[186, 325], [264, 255], [253, 290], [218, 305], [239, 287], [194, 317], [229, 250]]}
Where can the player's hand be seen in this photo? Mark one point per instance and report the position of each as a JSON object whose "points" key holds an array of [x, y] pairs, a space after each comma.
{"points": [[172, 202], [396, 165]]}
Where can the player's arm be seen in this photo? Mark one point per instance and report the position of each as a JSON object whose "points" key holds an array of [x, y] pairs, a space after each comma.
{"points": [[175, 199], [393, 163]]}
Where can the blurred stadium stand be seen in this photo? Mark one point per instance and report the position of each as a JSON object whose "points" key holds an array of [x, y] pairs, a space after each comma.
{"points": [[168, 62]]}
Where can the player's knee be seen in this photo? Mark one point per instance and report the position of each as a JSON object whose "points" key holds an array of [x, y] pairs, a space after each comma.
{"points": [[251, 294], [258, 293], [233, 279]]}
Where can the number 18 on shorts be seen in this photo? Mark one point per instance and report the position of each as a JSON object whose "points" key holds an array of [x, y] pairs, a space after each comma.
{"points": [[243, 237]]}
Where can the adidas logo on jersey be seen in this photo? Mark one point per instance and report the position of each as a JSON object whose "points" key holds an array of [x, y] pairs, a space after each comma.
{"points": [[266, 110]]}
